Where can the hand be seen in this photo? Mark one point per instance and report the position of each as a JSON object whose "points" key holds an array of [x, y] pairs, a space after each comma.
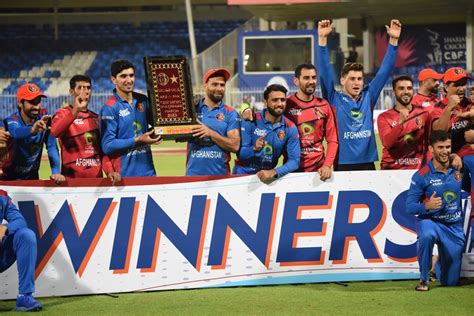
{"points": [[456, 161], [3, 232], [202, 131], [325, 28], [4, 136], [469, 136], [114, 177], [433, 203], [40, 125], [80, 104], [259, 144], [267, 176], [325, 173], [395, 29], [58, 178], [453, 102], [403, 116], [147, 138]]}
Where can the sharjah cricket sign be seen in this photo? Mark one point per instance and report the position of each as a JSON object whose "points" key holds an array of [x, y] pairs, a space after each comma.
{"points": [[192, 233]]}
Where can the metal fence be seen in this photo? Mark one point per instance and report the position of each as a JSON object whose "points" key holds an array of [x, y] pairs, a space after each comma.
{"points": [[234, 97]]}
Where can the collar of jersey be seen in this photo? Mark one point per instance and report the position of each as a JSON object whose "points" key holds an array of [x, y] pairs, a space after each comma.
{"points": [[265, 122], [433, 169], [201, 104]]}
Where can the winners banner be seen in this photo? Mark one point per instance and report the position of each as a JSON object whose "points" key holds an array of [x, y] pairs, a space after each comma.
{"points": [[188, 232]]}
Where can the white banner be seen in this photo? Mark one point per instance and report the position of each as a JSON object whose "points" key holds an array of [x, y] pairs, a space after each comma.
{"points": [[229, 232]]}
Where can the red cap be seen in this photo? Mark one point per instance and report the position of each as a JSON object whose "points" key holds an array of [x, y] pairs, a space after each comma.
{"points": [[221, 71], [29, 91], [429, 73], [455, 74]]}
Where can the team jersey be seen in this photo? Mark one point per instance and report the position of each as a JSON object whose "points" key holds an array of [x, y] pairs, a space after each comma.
{"points": [[457, 126], [10, 213], [120, 123], [355, 118], [25, 150], [315, 122], [426, 102], [281, 139], [404, 146], [446, 185], [204, 157], [79, 138]]}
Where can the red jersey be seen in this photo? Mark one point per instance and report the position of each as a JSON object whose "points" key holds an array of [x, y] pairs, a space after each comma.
{"points": [[404, 146], [81, 156], [457, 126], [426, 102], [315, 121]]}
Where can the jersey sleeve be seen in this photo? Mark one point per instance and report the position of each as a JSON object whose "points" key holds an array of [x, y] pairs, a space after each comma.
{"points": [[326, 74], [234, 121], [246, 149], [108, 130], [16, 130], [12, 216], [293, 152], [415, 194], [53, 153], [331, 139], [61, 121], [386, 68], [388, 135]]}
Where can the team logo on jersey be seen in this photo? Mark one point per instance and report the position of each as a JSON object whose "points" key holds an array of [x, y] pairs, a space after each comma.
{"points": [[356, 114], [457, 176], [426, 104], [220, 117], [319, 114], [281, 134], [449, 196], [140, 107], [268, 149], [419, 122], [409, 139], [306, 128], [33, 88], [163, 79]]}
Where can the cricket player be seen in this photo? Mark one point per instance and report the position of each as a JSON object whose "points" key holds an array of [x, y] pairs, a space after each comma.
{"points": [[439, 216]]}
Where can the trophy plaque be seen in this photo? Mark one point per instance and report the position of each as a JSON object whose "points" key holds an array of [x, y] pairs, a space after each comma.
{"points": [[171, 97]]}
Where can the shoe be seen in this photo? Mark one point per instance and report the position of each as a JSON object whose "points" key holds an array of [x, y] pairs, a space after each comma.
{"points": [[433, 277], [423, 286], [27, 303]]}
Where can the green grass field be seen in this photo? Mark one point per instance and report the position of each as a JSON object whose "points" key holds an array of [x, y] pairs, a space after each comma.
{"points": [[358, 298]]}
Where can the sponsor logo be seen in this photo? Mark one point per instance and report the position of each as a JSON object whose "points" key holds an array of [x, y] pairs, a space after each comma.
{"points": [[260, 132], [409, 139], [268, 149], [307, 128], [137, 126], [356, 115], [124, 112], [296, 112], [79, 121]]}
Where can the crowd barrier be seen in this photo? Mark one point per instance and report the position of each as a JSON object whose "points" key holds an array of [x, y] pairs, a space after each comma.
{"points": [[193, 232]]}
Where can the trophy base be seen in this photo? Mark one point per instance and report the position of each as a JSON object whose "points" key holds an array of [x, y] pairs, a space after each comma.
{"points": [[175, 132]]}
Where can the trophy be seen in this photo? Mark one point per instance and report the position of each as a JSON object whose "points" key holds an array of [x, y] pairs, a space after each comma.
{"points": [[171, 97]]}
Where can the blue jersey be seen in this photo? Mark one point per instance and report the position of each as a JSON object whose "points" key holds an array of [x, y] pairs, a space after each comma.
{"points": [[447, 186], [10, 213], [204, 157], [25, 150], [120, 123], [282, 139], [355, 118]]}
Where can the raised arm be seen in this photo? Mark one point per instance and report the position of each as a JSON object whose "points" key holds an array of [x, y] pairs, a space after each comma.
{"points": [[324, 66]]}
